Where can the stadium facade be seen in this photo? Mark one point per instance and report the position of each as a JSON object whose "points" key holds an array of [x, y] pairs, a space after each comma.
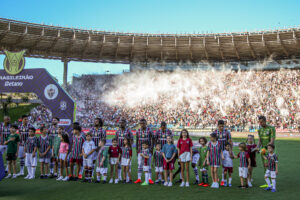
{"points": [[164, 52]]}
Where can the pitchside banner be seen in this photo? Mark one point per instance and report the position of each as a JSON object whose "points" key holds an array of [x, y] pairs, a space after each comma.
{"points": [[15, 79]]}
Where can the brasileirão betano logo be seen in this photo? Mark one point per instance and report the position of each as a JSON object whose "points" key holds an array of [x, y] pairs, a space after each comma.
{"points": [[14, 62]]}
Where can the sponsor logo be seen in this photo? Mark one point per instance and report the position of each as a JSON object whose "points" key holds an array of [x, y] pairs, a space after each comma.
{"points": [[14, 62], [63, 105], [51, 91], [64, 122]]}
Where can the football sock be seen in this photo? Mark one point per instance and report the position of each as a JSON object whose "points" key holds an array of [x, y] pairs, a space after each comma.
{"points": [[150, 173], [147, 177], [90, 173], [104, 178], [274, 183], [51, 167], [205, 177], [268, 181], [29, 170], [196, 173], [33, 171], [22, 162], [86, 173], [229, 180], [222, 174], [81, 170], [98, 178]]}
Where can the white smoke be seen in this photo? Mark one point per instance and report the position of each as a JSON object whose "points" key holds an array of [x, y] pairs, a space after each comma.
{"points": [[224, 90]]}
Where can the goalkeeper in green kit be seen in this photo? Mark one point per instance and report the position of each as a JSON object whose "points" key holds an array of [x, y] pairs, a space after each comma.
{"points": [[266, 135]]}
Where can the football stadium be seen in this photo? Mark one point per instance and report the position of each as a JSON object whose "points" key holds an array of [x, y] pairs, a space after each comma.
{"points": [[98, 114]]}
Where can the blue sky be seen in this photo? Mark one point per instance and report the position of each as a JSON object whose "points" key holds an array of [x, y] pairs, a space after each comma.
{"points": [[155, 16]]}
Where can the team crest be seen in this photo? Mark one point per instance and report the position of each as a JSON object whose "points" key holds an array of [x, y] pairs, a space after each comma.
{"points": [[14, 62], [51, 91], [63, 105]]}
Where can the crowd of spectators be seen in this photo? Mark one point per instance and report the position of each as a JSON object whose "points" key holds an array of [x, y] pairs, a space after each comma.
{"points": [[275, 94]]}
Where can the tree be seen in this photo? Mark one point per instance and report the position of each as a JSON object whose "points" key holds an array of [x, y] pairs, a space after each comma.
{"points": [[5, 105]]}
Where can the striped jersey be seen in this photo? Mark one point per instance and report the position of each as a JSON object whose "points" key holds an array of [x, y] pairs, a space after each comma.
{"points": [[24, 132], [214, 153], [223, 137], [126, 152], [121, 135], [77, 143], [52, 132], [158, 158], [44, 143], [161, 136], [243, 156], [147, 161], [143, 136], [98, 134], [30, 144], [272, 160], [56, 144], [103, 152], [4, 133]]}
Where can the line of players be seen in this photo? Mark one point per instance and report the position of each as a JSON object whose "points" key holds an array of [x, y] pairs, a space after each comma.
{"points": [[86, 151]]}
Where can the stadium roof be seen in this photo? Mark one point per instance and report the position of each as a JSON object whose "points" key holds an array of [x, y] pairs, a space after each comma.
{"points": [[54, 42]]}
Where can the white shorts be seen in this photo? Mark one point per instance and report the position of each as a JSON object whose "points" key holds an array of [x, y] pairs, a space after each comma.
{"points": [[196, 158], [102, 171], [243, 172], [271, 174], [146, 168], [45, 159], [21, 152], [30, 161], [113, 161], [62, 156], [125, 162], [3, 149], [159, 169], [185, 157], [141, 161], [88, 162]]}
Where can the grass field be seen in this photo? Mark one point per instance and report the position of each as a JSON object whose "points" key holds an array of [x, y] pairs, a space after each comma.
{"points": [[287, 184]]}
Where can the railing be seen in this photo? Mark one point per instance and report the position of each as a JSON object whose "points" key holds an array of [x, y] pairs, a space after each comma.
{"points": [[272, 31]]}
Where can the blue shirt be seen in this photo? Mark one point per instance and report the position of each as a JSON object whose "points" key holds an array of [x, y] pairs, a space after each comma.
{"points": [[169, 150]]}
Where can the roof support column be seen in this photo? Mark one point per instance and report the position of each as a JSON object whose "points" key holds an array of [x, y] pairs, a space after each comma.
{"points": [[65, 75]]}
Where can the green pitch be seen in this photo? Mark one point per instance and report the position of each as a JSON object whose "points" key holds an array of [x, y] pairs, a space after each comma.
{"points": [[287, 185]]}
